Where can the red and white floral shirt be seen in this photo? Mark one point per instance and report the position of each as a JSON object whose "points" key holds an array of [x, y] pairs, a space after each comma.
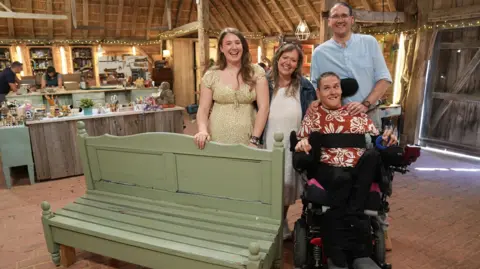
{"points": [[337, 121]]}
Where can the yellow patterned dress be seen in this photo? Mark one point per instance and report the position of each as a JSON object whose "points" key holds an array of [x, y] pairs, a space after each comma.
{"points": [[233, 113]]}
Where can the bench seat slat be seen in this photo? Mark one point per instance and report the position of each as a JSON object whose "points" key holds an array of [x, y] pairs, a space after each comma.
{"points": [[240, 240], [93, 194], [204, 225], [143, 229], [147, 242], [251, 225]]}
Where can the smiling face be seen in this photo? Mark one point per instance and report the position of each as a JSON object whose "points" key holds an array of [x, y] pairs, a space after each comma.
{"points": [[340, 20], [330, 92], [232, 48], [288, 62]]}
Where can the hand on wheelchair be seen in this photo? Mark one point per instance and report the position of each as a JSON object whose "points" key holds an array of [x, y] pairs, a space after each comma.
{"points": [[303, 145], [388, 138]]}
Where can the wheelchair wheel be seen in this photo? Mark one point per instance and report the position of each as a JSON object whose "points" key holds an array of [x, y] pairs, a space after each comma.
{"points": [[300, 245], [379, 248]]}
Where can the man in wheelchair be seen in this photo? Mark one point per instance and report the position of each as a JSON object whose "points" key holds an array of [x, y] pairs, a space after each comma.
{"points": [[334, 152]]}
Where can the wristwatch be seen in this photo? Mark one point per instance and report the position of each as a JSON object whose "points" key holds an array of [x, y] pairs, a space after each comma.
{"points": [[368, 105], [254, 140]]}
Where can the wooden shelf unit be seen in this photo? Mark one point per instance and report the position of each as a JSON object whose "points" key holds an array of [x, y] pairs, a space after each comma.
{"points": [[5, 58], [82, 58], [41, 58]]}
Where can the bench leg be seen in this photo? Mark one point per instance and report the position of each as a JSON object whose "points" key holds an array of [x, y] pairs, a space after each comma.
{"points": [[31, 174], [67, 256], [8, 178], [56, 254], [278, 260]]}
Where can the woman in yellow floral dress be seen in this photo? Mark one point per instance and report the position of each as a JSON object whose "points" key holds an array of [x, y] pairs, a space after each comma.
{"points": [[232, 86]]}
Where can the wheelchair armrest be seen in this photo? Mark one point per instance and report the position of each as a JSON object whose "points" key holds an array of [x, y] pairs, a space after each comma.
{"points": [[301, 160], [293, 141]]}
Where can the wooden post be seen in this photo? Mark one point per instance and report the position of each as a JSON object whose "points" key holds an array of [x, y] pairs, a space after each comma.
{"points": [[325, 32], [414, 98], [203, 40]]}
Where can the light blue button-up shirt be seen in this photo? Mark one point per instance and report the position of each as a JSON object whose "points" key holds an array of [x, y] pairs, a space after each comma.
{"points": [[361, 59]]}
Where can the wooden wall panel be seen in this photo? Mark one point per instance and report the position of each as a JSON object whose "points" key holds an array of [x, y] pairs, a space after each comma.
{"points": [[183, 64]]}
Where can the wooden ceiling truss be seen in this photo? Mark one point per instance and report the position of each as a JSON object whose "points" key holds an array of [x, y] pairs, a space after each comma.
{"points": [[138, 19]]}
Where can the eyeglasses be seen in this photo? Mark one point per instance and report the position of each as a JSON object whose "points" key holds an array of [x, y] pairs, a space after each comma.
{"points": [[341, 16]]}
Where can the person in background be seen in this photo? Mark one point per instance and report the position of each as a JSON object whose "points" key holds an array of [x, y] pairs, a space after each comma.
{"points": [[9, 80], [231, 88], [352, 55], [290, 96], [264, 66], [52, 78]]}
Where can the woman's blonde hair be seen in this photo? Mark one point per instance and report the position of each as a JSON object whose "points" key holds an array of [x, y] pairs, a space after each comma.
{"points": [[296, 75], [246, 69]]}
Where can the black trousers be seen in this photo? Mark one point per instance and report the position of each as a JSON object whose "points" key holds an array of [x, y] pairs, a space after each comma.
{"points": [[346, 230]]}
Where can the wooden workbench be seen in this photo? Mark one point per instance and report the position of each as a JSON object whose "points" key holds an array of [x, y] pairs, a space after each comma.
{"points": [[54, 145]]}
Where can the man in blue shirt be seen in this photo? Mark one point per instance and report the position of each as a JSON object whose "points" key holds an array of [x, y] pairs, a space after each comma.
{"points": [[351, 55], [9, 80]]}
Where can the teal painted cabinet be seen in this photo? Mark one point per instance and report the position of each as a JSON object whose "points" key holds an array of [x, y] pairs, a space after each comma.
{"points": [[16, 151]]}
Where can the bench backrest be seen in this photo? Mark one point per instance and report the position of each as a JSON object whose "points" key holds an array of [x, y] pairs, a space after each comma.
{"points": [[169, 167]]}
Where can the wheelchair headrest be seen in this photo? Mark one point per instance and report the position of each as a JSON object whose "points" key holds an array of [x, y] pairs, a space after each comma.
{"points": [[349, 87]]}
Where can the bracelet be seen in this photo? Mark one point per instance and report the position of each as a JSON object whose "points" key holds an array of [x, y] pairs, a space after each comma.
{"points": [[254, 140]]}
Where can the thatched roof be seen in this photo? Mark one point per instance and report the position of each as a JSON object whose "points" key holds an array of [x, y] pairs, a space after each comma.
{"points": [[146, 19]]}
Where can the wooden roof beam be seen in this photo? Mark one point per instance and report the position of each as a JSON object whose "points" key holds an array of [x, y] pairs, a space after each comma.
{"points": [[456, 13], [85, 17], [119, 18], [68, 23], [134, 18], [192, 5], [167, 14], [183, 30], [228, 5], [252, 9], [391, 5], [149, 19], [264, 7], [366, 5], [215, 23], [102, 15], [11, 28], [244, 13], [294, 10], [225, 22], [284, 16], [224, 15], [50, 22], [31, 16], [179, 7], [313, 13], [378, 16]]}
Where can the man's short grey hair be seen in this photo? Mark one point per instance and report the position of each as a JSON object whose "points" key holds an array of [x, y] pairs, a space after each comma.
{"points": [[350, 9]]}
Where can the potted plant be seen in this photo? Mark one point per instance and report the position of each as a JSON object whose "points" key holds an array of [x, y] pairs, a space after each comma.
{"points": [[86, 104]]}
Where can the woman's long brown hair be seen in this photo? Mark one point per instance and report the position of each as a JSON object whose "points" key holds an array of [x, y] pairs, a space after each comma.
{"points": [[246, 69], [296, 75]]}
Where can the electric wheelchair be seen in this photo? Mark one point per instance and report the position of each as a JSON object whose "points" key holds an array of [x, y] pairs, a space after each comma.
{"points": [[307, 235]]}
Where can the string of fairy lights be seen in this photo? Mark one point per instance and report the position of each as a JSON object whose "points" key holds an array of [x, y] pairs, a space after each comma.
{"points": [[185, 31]]}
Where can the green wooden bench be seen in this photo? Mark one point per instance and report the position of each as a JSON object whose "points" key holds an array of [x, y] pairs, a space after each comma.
{"points": [[156, 200]]}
